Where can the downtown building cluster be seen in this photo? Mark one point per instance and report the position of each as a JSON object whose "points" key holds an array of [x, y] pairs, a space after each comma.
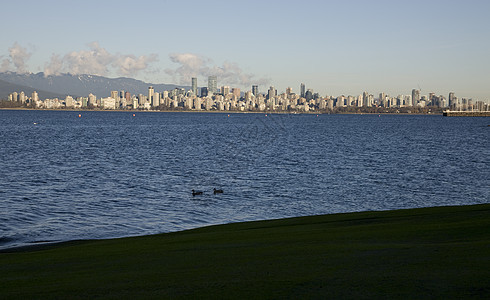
{"points": [[212, 98]]}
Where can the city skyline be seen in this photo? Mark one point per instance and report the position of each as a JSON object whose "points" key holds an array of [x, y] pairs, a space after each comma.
{"points": [[228, 98], [335, 48]]}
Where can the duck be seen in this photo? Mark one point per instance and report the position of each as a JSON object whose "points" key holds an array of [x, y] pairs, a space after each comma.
{"points": [[217, 191], [195, 193]]}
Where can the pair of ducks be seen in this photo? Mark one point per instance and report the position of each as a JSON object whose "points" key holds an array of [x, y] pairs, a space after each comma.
{"points": [[215, 191]]}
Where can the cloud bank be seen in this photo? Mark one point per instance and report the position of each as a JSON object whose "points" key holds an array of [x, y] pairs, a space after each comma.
{"points": [[98, 61], [17, 57], [193, 65]]}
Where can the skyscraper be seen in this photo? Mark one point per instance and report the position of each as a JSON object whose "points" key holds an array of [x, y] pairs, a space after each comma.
{"points": [[271, 93], [151, 91], [309, 94], [115, 95], [365, 99], [451, 100], [236, 92], [212, 84], [155, 101], [194, 85], [204, 91], [225, 90], [415, 97], [302, 89], [255, 90], [35, 96], [92, 99]]}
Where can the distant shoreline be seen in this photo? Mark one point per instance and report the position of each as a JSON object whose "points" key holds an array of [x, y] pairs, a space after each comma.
{"points": [[223, 112]]}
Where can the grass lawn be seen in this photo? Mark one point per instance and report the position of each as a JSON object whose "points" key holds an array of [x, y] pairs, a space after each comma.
{"points": [[440, 252]]}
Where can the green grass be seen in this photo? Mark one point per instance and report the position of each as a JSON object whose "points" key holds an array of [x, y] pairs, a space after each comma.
{"points": [[437, 253]]}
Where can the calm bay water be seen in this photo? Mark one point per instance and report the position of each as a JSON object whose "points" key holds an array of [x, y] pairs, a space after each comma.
{"points": [[112, 174]]}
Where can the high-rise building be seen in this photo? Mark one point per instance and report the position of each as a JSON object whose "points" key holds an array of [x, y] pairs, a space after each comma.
{"points": [[289, 91], [451, 100], [212, 85], [302, 89], [15, 96], [255, 90], [151, 92], [271, 93], [194, 85], [35, 97], [308, 95], [69, 101], [360, 102], [225, 90], [204, 91], [415, 97], [236, 92], [248, 95], [155, 100], [92, 99], [382, 100], [22, 97], [365, 99], [115, 95], [340, 101]]}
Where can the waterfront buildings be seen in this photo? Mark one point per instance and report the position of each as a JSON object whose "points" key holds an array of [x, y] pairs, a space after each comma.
{"points": [[255, 90], [194, 85], [212, 85], [228, 98]]}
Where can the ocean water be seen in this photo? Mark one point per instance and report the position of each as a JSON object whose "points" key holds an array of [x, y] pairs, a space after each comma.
{"points": [[68, 175]]}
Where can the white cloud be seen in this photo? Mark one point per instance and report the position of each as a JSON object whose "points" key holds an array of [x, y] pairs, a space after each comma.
{"points": [[98, 61], [193, 65], [17, 57], [55, 66], [5, 65], [129, 64]]}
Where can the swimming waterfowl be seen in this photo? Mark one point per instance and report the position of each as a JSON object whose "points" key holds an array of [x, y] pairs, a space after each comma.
{"points": [[195, 193], [217, 191]]}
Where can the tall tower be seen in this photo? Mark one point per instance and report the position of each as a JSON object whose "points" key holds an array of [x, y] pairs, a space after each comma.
{"points": [[271, 93], [155, 101], [151, 92], [451, 99], [212, 84], [302, 90], [35, 96], [225, 90], [255, 90], [365, 99], [236, 92], [194, 85], [415, 97], [204, 92]]}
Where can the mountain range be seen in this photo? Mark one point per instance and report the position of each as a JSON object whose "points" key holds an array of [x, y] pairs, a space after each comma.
{"points": [[58, 86]]}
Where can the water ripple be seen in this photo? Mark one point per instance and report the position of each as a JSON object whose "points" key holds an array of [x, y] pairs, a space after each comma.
{"points": [[111, 175]]}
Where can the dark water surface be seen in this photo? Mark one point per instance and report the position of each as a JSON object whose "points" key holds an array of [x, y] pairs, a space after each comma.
{"points": [[112, 174]]}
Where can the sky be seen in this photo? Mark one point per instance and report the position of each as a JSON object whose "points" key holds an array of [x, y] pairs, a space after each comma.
{"points": [[333, 47]]}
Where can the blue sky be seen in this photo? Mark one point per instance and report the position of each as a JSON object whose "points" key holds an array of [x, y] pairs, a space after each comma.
{"points": [[334, 47]]}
